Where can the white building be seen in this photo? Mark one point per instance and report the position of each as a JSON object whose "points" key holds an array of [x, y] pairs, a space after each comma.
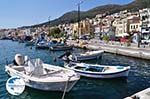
{"points": [[121, 27], [145, 18]]}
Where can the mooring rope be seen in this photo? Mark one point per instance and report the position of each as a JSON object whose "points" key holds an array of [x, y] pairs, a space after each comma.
{"points": [[66, 85]]}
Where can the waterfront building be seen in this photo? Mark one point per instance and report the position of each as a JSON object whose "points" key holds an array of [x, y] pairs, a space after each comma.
{"points": [[103, 26], [84, 28], [134, 24], [120, 27], [128, 25], [145, 30]]}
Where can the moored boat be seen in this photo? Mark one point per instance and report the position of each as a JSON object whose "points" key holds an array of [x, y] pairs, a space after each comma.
{"points": [[55, 43], [60, 48], [98, 71], [42, 45], [89, 55], [41, 76], [30, 43]]}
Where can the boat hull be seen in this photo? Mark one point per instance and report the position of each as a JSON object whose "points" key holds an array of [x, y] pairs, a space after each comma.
{"points": [[51, 86], [42, 47], [95, 55], [29, 43], [45, 86], [122, 72], [91, 57], [60, 49], [103, 76]]}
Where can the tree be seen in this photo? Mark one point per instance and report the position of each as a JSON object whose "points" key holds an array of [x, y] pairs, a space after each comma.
{"points": [[55, 32], [106, 38]]}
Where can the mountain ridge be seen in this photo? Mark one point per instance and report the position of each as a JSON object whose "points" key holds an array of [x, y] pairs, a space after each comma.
{"points": [[72, 16]]}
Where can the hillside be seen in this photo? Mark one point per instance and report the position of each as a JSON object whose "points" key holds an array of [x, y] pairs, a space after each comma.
{"points": [[71, 17]]}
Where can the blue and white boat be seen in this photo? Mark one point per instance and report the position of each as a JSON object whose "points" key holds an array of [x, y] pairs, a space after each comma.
{"points": [[98, 71]]}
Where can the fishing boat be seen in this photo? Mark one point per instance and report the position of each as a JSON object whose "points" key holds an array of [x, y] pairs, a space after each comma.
{"points": [[41, 76], [30, 43], [55, 43], [42, 45], [61, 48], [41, 41], [98, 71], [89, 55]]}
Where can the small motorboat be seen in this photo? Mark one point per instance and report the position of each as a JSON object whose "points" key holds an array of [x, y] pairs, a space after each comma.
{"points": [[30, 43], [55, 43], [39, 75], [98, 71], [61, 48], [89, 55], [42, 45]]}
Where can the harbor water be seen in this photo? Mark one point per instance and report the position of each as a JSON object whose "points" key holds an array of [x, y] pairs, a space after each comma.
{"points": [[138, 79]]}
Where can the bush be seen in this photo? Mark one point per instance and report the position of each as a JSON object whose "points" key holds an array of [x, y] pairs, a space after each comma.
{"points": [[106, 38]]}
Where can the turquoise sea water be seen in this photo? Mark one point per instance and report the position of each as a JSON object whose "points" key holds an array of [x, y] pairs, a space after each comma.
{"points": [[139, 76]]}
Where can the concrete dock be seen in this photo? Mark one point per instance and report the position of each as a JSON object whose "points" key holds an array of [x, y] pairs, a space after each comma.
{"points": [[145, 94], [131, 51]]}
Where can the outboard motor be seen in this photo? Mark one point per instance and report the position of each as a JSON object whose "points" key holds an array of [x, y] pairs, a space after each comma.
{"points": [[19, 60]]}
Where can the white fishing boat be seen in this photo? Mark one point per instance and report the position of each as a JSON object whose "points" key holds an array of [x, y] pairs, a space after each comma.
{"points": [[42, 76], [61, 48], [98, 71], [89, 55]]}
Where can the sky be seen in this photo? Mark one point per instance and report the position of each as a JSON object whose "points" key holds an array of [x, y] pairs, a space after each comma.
{"points": [[17, 13]]}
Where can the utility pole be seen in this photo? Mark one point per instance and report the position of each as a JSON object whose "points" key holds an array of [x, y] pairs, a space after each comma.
{"points": [[78, 19], [79, 4], [49, 20]]}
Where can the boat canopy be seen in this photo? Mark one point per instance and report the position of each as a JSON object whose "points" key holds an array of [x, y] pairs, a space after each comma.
{"points": [[34, 67]]}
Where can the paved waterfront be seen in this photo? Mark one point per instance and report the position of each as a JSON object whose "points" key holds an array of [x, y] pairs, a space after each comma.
{"points": [[139, 77], [132, 51]]}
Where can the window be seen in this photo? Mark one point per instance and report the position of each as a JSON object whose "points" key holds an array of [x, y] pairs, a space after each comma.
{"points": [[136, 26]]}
